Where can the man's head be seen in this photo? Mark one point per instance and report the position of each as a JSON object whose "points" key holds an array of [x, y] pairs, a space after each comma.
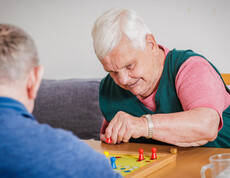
{"points": [[128, 51], [20, 74]]}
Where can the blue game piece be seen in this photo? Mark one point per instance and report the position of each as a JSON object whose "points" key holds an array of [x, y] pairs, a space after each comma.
{"points": [[112, 160]]}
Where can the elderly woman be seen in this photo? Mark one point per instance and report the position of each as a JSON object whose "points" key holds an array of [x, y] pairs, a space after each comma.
{"points": [[154, 94]]}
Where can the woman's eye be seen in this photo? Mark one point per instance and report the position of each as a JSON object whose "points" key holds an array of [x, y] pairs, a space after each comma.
{"points": [[130, 66]]}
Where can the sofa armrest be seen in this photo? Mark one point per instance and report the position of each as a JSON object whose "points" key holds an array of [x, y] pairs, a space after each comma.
{"points": [[71, 104]]}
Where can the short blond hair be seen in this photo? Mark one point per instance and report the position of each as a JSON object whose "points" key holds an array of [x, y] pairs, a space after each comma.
{"points": [[18, 53]]}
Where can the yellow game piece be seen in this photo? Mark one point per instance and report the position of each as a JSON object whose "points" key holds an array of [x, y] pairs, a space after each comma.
{"points": [[106, 153], [173, 150]]}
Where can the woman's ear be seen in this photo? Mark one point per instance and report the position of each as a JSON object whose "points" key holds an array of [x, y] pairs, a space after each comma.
{"points": [[151, 42], [34, 81]]}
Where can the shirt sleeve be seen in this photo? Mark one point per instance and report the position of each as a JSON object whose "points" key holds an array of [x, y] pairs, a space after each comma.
{"points": [[199, 85]]}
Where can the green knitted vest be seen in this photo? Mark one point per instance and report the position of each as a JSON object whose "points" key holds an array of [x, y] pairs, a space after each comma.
{"points": [[113, 98]]}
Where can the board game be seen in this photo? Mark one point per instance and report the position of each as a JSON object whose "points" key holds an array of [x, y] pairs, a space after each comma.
{"points": [[129, 165]]}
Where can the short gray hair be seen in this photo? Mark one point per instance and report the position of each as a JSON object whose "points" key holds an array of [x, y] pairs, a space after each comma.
{"points": [[18, 53], [110, 26]]}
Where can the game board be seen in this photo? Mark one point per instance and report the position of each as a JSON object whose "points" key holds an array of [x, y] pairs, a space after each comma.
{"points": [[129, 166]]}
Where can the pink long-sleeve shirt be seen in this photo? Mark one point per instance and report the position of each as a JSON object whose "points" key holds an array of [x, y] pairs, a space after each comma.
{"points": [[197, 85]]}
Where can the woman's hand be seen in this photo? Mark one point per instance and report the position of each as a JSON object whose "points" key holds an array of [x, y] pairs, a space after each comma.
{"points": [[124, 126]]}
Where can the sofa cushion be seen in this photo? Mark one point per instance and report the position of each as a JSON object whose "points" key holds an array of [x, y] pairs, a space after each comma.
{"points": [[71, 104]]}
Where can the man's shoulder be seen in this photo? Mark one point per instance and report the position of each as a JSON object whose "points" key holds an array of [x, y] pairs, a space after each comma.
{"points": [[19, 127], [47, 151], [10, 119], [29, 141]]}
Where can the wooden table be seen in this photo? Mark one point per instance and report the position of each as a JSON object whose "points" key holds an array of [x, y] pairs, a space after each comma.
{"points": [[188, 162]]}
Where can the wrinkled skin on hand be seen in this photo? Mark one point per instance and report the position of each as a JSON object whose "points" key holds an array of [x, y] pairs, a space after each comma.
{"points": [[122, 127]]}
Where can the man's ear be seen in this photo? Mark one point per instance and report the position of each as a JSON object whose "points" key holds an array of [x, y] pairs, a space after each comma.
{"points": [[34, 81], [151, 42]]}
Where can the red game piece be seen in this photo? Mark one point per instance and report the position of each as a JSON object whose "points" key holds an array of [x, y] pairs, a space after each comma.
{"points": [[108, 140], [154, 155], [141, 156]]}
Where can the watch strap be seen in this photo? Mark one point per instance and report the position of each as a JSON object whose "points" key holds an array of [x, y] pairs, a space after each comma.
{"points": [[150, 125]]}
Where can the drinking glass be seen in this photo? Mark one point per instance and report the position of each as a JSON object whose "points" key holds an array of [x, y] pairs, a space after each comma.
{"points": [[219, 165]]}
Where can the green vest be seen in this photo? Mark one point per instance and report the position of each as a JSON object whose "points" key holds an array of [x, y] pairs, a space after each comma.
{"points": [[113, 98]]}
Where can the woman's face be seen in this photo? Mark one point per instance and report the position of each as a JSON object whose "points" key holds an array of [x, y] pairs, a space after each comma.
{"points": [[135, 70]]}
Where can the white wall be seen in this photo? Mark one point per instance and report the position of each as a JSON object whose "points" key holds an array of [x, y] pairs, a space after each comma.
{"points": [[62, 29]]}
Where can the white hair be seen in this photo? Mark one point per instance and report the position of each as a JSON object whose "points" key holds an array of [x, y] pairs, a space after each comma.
{"points": [[110, 26]]}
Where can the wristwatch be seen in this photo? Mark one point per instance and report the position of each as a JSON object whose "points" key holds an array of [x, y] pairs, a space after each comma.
{"points": [[150, 125]]}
